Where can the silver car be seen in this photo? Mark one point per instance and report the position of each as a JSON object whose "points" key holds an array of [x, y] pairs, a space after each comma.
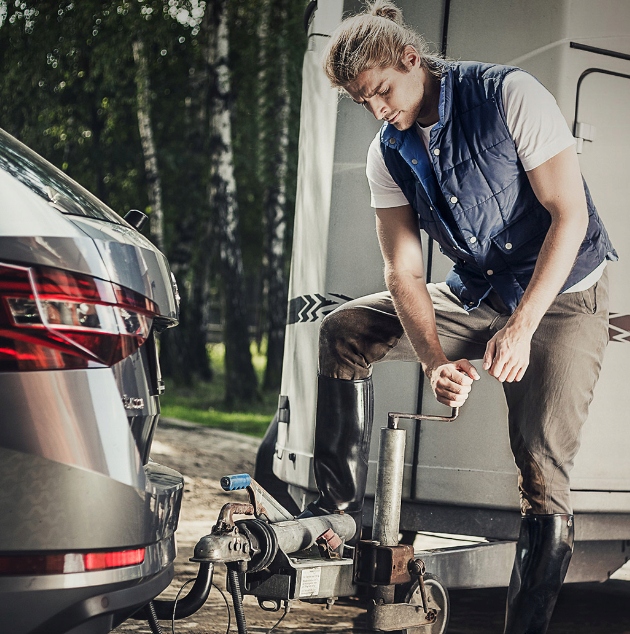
{"points": [[87, 521]]}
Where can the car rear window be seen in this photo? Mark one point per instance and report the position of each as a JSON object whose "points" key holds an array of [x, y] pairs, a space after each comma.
{"points": [[49, 182]]}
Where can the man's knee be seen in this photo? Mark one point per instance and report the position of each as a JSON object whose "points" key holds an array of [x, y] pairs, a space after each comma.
{"points": [[331, 327], [340, 354], [544, 485]]}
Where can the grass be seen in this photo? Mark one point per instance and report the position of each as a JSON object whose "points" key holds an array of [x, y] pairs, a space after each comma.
{"points": [[203, 402]]}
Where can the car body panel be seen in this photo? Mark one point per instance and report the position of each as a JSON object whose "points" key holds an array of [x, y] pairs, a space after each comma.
{"points": [[52, 506], [77, 254], [63, 604], [132, 261], [75, 417], [75, 473]]}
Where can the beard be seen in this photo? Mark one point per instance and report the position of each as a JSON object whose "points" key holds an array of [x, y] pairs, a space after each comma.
{"points": [[406, 118]]}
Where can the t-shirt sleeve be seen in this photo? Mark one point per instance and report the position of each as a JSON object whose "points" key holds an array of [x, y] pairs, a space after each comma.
{"points": [[534, 120], [384, 191]]}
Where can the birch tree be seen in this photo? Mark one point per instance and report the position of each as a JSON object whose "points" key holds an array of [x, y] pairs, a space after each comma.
{"points": [[241, 384], [148, 144]]}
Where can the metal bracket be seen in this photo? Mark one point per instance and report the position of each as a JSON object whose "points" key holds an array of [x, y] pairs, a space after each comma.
{"points": [[417, 568], [225, 521], [284, 418], [383, 565], [583, 132]]}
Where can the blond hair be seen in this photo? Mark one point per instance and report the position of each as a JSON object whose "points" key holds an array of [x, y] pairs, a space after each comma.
{"points": [[376, 38]]}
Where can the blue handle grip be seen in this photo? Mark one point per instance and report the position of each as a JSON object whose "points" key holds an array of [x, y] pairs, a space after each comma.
{"points": [[236, 482]]}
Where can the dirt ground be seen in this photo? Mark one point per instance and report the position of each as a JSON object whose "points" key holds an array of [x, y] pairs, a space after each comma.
{"points": [[203, 455]]}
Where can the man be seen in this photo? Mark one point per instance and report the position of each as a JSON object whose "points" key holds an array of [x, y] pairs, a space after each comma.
{"points": [[478, 156]]}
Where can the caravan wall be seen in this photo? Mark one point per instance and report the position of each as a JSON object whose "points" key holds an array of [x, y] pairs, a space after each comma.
{"points": [[467, 465]]}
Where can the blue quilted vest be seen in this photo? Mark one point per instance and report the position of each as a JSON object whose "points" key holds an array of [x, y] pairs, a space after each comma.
{"points": [[472, 195]]}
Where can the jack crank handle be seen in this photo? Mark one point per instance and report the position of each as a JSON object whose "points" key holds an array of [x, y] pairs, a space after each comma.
{"points": [[394, 417]]}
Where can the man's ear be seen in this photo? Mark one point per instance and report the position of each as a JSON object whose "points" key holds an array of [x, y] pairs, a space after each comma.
{"points": [[410, 58]]}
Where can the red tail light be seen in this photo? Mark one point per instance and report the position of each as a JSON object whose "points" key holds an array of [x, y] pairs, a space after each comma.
{"points": [[103, 561], [60, 563], [54, 319]]}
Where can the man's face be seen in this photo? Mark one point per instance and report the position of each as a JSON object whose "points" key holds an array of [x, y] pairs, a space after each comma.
{"points": [[394, 95]]}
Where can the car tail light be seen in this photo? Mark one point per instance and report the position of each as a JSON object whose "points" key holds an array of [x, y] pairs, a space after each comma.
{"points": [[59, 563], [55, 319]]}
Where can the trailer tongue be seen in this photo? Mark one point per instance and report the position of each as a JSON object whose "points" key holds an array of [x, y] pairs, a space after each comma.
{"points": [[278, 558]]}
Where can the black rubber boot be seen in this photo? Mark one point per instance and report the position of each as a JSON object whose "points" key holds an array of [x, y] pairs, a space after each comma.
{"points": [[343, 427], [543, 553]]}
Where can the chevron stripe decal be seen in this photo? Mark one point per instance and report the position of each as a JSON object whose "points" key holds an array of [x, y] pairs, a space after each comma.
{"points": [[619, 327], [310, 308]]}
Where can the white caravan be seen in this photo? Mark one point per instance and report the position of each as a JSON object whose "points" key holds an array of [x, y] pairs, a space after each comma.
{"points": [[460, 478]]}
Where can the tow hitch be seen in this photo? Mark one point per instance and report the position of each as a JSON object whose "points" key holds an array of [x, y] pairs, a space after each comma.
{"points": [[279, 558]]}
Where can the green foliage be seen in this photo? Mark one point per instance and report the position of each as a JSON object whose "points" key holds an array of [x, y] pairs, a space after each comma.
{"points": [[203, 402], [245, 422], [68, 91], [68, 87]]}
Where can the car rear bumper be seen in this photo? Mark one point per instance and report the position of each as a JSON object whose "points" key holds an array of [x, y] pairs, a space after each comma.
{"points": [[91, 601], [83, 517]]}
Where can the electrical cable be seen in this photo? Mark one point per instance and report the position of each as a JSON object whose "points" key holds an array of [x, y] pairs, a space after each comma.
{"points": [[157, 629], [287, 607], [227, 606], [193, 601], [175, 604]]}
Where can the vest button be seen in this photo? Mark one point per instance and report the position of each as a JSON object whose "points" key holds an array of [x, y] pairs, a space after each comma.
{"points": [[436, 151], [392, 141], [414, 161], [472, 240], [489, 272], [508, 245], [453, 199], [471, 303]]}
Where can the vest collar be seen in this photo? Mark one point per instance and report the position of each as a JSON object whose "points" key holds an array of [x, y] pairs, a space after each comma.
{"points": [[445, 104]]}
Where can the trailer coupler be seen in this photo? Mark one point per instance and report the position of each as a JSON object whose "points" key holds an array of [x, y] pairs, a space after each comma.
{"points": [[278, 558], [285, 558], [255, 543]]}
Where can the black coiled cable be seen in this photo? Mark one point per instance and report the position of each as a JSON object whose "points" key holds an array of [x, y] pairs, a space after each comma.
{"points": [[237, 598], [156, 628]]}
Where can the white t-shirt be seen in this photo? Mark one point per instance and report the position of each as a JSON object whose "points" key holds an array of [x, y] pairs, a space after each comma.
{"points": [[535, 123]]}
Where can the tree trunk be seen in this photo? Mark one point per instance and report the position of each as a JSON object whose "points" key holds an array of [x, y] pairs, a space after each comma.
{"points": [[192, 249], [148, 144], [241, 384], [174, 344], [262, 163], [275, 219]]}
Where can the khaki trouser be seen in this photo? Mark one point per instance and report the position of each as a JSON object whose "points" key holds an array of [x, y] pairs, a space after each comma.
{"points": [[547, 408]]}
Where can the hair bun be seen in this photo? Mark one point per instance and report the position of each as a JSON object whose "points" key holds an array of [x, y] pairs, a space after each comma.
{"points": [[387, 10]]}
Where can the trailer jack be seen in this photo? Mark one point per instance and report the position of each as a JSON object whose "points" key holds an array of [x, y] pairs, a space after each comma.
{"points": [[279, 558]]}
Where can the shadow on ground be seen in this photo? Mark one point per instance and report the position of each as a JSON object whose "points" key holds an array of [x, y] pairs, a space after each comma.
{"points": [[584, 608]]}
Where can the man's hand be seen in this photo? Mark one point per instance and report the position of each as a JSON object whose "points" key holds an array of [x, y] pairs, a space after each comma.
{"points": [[452, 381], [507, 354]]}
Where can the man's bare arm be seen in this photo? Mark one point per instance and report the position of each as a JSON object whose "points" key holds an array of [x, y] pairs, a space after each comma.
{"points": [[558, 186], [398, 235]]}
